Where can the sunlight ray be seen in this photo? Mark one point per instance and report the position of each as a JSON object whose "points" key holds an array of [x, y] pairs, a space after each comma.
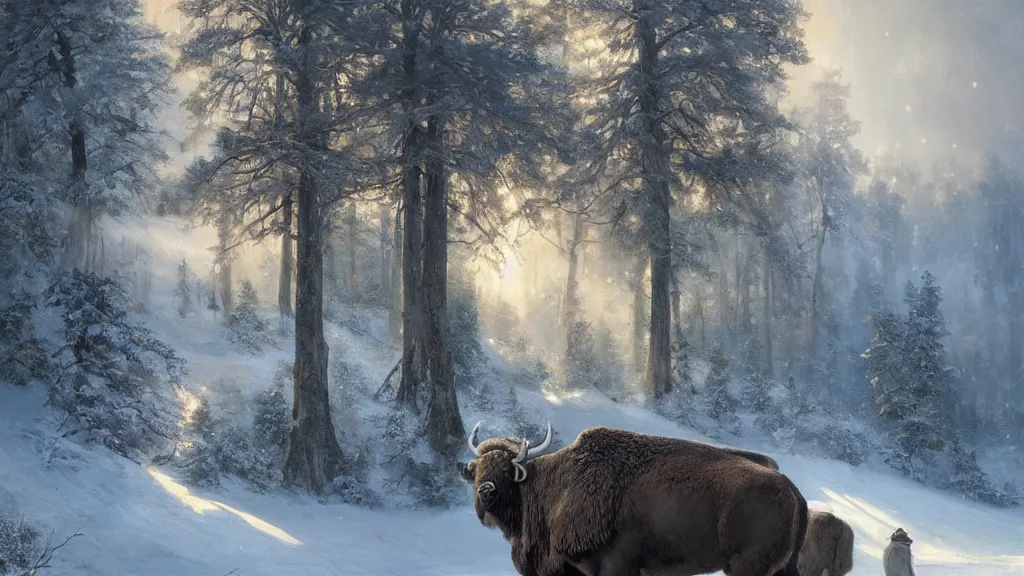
{"points": [[874, 526], [201, 506]]}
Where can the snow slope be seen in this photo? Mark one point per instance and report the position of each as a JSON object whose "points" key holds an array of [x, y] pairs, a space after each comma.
{"points": [[140, 521]]}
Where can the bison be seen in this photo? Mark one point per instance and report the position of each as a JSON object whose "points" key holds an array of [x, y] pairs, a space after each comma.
{"points": [[828, 546], [619, 503], [897, 559]]}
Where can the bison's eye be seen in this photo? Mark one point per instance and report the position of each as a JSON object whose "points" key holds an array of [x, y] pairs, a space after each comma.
{"points": [[487, 494]]}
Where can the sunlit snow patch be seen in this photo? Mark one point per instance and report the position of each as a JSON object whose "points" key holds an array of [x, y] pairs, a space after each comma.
{"points": [[202, 506]]}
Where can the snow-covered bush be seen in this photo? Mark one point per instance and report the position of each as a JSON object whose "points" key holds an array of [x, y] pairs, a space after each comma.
{"points": [[225, 444], [830, 435], [958, 471], [426, 478], [21, 544], [757, 394], [117, 381], [23, 551], [523, 425], [245, 326], [271, 419], [23, 357]]}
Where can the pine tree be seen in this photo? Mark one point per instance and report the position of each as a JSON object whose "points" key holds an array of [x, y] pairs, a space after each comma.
{"points": [[244, 323], [929, 376], [716, 386], [886, 369], [464, 89], [909, 372], [289, 138], [832, 165], [183, 289], [684, 81], [89, 78], [580, 360]]}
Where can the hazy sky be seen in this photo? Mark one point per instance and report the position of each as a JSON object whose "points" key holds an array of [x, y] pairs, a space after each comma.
{"points": [[935, 76]]}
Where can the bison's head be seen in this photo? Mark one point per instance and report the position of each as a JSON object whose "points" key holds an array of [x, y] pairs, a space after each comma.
{"points": [[496, 473]]}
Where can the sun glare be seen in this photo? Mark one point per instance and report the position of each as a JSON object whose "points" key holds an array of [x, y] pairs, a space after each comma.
{"points": [[202, 506], [874, 526]]}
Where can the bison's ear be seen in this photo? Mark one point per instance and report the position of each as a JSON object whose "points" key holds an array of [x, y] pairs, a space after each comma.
{"points": [[468, 471]]}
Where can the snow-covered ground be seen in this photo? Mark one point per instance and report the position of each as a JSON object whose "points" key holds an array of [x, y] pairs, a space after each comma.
{"points": [[142, 521]]}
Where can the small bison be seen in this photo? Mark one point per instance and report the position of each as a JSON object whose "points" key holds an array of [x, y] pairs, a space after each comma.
{"points": [[618, 503], [828, 546], [897, 559]]}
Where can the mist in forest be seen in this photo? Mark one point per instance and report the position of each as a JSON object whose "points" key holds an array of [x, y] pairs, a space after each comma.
{"points": [[807, 215]]}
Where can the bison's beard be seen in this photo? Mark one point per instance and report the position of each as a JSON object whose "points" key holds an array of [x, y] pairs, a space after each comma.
{"points": [[489, 520]]}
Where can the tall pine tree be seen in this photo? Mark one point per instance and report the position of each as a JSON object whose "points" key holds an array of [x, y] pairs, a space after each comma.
{"points": [[684, 78]]}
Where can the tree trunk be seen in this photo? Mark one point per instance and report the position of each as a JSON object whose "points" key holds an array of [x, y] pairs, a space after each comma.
{"points": [[224, 264], [352, 223], [314, 457], [657, 219], [639, 308], [571, 306], [724, 301], [677, 314], [701, 316], [815, 319], [766, 285], [395, 282], [445, 429], [412, 220], [745, 320], [80, 227], [384, 235], [412, 291], [284, 285], [1015, 366]]}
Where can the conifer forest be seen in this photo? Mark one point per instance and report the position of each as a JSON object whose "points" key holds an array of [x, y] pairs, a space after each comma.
{"points": [[257, 250]]}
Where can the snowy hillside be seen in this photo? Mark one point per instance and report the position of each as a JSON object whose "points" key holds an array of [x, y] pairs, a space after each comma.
{"points": [[139, 520]]}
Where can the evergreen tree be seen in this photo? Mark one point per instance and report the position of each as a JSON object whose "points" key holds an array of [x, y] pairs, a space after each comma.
{"points": [[886, 367], [686, 94], [580, 362], [109, 381], [909, 373], [183, 289], [89, 77], [831, 167], [288, 138], [716, 386], [244, 323], [888, 231], [464, 327], [463, 90], [930, 377]]}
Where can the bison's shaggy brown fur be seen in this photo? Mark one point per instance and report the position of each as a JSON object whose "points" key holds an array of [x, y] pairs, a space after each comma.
{"points": [[828, 546], [618, 503]]}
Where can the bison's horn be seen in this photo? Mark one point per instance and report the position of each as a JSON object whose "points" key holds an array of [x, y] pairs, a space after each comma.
{"points": [[532, 453], [524, 449], [472, 438]]}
